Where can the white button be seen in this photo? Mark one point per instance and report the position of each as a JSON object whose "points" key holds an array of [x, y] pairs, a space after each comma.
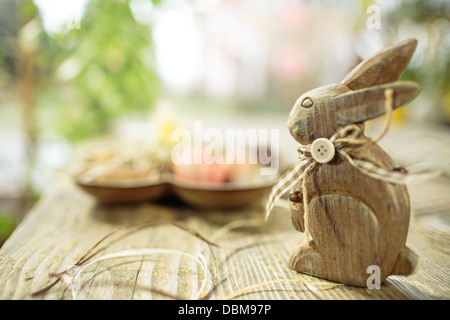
{"points": [[322, 150]]}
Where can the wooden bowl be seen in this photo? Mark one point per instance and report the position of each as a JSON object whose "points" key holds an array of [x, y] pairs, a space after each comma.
{"points": [[119, 194], [199, 194], [223, 197]]}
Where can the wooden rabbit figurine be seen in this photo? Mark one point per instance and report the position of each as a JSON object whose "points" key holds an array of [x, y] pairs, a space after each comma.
{"points": [[353, 220]]}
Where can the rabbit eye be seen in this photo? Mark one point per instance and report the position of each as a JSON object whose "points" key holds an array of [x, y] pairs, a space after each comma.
{"points": [[307, 103]]}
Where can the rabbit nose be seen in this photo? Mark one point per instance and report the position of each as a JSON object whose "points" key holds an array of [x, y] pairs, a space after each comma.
{"points": [[322, 150]]}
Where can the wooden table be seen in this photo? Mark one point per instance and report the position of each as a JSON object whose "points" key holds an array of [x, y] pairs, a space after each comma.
{"points": [[249, 263]]}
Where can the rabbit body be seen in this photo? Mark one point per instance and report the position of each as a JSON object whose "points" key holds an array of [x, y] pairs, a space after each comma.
{"points": [[353, 221]]}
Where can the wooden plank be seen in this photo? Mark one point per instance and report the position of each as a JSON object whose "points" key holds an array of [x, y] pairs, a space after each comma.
{"points": [[66, 222]]}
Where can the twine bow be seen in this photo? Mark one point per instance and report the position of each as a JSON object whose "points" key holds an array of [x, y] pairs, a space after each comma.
{"points": [[349, 143]]}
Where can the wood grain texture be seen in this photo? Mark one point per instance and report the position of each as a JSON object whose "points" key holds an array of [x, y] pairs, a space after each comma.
{"points": [[353, 221], [252, 263], [66, 222], [383, 67]]}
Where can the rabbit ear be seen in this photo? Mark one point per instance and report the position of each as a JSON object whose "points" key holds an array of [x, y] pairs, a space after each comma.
{"points": [[365, 104], [384, 67]]}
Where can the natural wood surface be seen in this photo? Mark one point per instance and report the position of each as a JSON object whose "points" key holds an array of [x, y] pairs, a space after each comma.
{"points": [[252, 259], [66, 222]]}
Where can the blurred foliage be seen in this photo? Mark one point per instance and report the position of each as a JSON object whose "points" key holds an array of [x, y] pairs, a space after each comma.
{"points": [[100, 69], [421, 11], [8, 30], [104, 67], [429, 22], [6, 228]]}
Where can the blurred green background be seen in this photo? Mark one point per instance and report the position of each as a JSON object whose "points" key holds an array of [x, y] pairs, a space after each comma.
{"points": [[78, 69]]}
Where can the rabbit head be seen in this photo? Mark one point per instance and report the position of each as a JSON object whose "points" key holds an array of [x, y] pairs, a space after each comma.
{"points": [[359, 97]]}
